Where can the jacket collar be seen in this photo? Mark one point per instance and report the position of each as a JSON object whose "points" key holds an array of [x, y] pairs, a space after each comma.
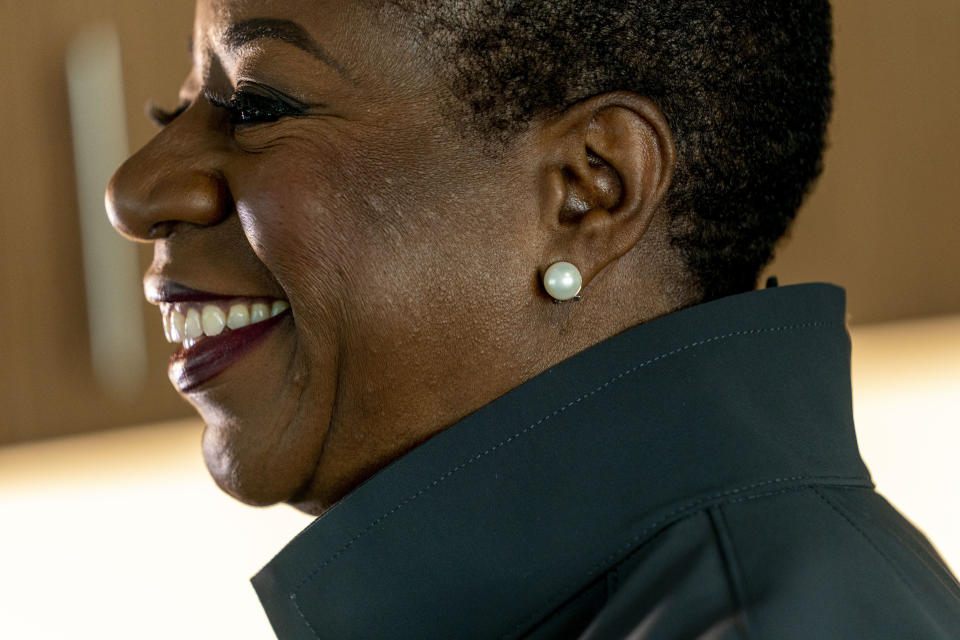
{"points": [[512, 510]]}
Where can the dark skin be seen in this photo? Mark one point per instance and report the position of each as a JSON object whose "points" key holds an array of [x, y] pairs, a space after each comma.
{"points": [[411, 255]]}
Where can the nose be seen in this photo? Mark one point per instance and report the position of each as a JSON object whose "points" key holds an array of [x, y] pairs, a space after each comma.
{"points": [[176, 178]]}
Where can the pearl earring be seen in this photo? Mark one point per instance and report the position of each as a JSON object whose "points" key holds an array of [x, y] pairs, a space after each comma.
{"points": [[562, 281]]}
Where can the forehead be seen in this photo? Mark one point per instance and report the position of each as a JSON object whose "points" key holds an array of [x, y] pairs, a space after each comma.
{"points": [[327, 16], [360, 39]]}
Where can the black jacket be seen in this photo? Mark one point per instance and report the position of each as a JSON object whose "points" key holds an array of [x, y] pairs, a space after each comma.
{"points": [[695, 477]]}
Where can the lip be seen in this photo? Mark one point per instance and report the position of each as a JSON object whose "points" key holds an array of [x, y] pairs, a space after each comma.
{"points": [[159, 290], [191, 368]]}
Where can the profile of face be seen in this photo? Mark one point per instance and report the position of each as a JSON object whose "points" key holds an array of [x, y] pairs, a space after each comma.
{"points": [[314, 169]]}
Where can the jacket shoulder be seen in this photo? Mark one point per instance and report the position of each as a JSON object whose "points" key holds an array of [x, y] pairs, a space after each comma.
{"points": [[832, 562]]}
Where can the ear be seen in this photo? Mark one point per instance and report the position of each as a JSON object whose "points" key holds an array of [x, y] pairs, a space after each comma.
{"points": [[608, 164]]}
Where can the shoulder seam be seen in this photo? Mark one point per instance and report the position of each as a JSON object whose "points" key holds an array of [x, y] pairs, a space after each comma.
{"points": [[896, 570], [933, 562]]}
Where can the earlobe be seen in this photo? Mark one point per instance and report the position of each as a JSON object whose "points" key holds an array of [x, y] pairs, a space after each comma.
{"points": [[616, 160]]}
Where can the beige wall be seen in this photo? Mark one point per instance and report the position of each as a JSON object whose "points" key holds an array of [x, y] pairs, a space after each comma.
{"points": [[883, 221], [46, 384]]}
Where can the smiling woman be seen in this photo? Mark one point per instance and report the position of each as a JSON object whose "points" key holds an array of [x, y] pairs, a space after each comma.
{"points": [[333, 204], [357, 215]]}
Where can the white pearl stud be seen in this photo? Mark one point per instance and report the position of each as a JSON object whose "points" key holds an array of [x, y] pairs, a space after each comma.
{"points": [[562, 281]]}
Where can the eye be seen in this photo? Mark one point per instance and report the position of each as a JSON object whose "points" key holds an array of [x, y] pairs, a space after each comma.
{"points": [[162, 117], [253, 104]]}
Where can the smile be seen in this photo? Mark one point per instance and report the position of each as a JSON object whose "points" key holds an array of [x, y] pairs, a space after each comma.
{"points": [[190, 323], [214, 334]]}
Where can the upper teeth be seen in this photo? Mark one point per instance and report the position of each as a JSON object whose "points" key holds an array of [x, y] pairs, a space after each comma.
{"points": [[187, 323]]}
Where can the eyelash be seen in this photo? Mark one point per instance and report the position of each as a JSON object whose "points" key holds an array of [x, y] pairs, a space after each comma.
{"points": [[248, 108], [244, 108], [162, 117]]}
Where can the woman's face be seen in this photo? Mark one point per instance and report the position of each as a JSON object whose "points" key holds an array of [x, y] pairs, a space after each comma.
{"points": [[314, 164]]}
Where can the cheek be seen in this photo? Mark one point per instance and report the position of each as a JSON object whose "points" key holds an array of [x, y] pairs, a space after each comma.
{"points": [[293, 225], [318, 221], [370, 238]]}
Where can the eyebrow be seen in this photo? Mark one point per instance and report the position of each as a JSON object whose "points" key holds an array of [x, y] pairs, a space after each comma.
{"points": [[240, 33]]}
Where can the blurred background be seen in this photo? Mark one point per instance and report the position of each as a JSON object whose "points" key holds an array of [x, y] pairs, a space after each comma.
{"points": [[109, 530]]}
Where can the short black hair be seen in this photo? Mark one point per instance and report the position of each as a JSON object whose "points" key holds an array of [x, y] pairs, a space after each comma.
{"points": [[745, 86]]}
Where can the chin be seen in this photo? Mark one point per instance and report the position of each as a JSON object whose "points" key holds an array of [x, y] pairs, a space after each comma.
{"points": [[266, 419], [263, 458], [237, 474], [256, 475], [311, 507]]}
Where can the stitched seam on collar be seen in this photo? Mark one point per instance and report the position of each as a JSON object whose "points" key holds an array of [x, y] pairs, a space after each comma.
{"points": [[532, 426]]}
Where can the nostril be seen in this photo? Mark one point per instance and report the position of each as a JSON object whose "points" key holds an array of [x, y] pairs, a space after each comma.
{"points": [[160, 230]]}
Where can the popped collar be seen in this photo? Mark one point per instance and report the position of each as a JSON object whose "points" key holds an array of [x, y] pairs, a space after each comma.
{"points": [[498, 523]]}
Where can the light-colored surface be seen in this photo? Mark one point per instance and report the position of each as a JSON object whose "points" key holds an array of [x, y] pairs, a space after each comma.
{"points": [[123, 535], [118, 346], [906, 397]]}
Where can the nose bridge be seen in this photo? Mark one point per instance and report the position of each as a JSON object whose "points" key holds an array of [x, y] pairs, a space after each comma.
{"points": [[177, 177]]}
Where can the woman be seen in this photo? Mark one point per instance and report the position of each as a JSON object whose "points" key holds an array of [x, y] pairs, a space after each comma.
{"points": [[491, 250]]}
